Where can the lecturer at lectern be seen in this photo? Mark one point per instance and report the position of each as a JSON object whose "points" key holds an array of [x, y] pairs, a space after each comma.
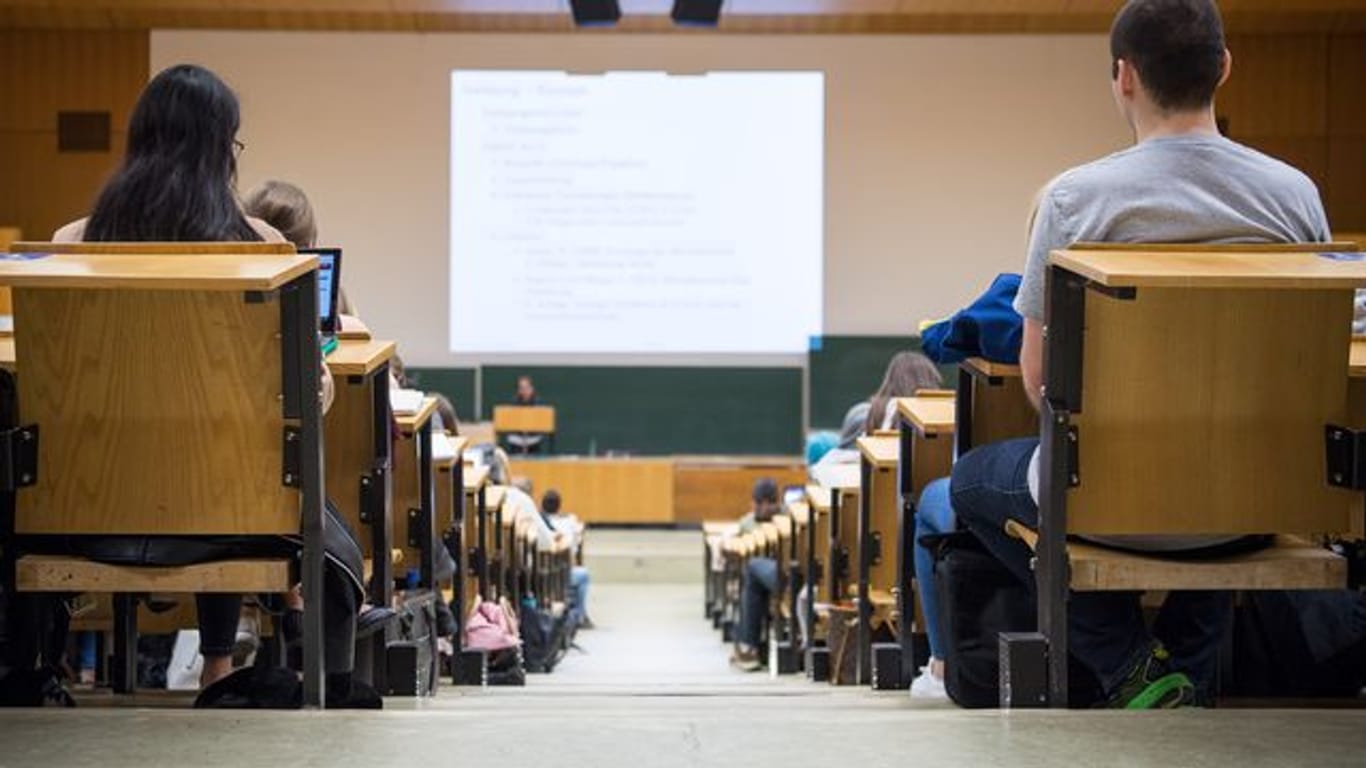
{"points": [[525, 442]]}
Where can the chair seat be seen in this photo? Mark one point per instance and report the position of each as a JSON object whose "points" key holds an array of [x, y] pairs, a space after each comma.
{"points": [[1291, 563], [49, 573]]}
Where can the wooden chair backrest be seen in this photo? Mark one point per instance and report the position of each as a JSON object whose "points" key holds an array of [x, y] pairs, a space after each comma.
{"points": [[159, 408], [1205, 396]]}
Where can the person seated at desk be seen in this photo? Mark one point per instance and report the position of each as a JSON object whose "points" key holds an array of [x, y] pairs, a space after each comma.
{"points": [[176, 184], [525, 442], [1182, 182], [285, 207], [758, 583], [571, 529], [907, 373]]}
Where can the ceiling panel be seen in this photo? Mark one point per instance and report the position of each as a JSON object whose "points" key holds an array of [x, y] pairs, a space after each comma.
{"points": [[745, 16]]}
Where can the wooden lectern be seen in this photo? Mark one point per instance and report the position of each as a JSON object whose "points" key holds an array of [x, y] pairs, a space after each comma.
{"points": [[524, 420]]}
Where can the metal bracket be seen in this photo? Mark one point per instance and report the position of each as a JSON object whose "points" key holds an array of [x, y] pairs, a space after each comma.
{"points": [[18, 457], [875, 548], [1073, 457], [414, 527], [1345, 450], [291, 476]]}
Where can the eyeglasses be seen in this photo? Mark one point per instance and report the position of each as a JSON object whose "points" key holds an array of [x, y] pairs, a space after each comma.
{"points": [[237, 147]]}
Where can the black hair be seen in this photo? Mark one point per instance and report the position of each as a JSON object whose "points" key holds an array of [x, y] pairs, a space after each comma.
{"points": [[550, 502], [178, 177], [1177, 47]]}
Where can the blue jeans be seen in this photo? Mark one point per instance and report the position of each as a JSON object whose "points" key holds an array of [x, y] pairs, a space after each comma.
{"points": [[1106, 629], [578, 595], [933, 514], [759, 582]]}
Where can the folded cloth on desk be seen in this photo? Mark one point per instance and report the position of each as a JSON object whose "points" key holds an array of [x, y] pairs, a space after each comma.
{"points": [[988, 328], [405, 402]]}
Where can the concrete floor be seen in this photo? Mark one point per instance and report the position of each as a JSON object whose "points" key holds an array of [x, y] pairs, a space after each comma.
{"points": [[652, 688]]}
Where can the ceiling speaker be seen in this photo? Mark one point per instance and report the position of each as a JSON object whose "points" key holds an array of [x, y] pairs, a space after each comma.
{"points": [[588, 13], [699, 12]]}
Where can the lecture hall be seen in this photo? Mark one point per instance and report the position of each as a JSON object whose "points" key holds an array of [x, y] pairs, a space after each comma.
{"points": [[683, 382]]}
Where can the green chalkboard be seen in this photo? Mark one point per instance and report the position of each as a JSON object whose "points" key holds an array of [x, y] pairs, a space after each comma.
{"points": [[457, 384], [658, 411], [848, 369]]}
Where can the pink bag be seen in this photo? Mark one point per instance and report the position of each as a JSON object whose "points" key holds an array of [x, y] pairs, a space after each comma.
{"points": [[491, 628]]}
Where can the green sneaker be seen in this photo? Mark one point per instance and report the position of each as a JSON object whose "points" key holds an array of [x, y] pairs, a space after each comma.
{"points": [[1152, 685]]}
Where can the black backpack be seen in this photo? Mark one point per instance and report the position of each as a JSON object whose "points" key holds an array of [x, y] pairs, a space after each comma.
{"points": [[543, 638], [978, 600]]}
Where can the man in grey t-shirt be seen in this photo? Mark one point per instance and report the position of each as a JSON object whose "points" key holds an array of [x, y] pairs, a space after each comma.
{"points": [[1180, 183]]}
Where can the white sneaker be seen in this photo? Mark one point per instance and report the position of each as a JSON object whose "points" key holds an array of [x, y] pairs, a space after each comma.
{"points": [[927, 686]]}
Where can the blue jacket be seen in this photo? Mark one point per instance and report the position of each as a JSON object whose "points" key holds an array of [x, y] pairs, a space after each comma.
{"points": [[989, 328]]}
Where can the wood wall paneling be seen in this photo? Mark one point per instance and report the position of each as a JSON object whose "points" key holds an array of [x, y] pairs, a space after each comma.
{"points": [[43, 72]]}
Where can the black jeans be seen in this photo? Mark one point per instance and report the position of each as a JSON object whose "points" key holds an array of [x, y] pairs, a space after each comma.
{"points": [[1106, 629]]}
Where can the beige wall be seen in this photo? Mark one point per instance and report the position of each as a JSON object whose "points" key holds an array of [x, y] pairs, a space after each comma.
{"points": [[934, 149]]}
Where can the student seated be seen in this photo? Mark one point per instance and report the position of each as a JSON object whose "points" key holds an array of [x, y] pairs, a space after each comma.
{"points": [[570, 528], [758, 583], [285, 207], [1180, 183], [176, 184], [907, 373]]}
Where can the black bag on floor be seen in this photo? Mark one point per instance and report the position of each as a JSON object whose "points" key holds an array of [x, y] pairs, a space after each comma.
{"points": [[505, 667], [978, 600], [1302, 643], [543, 638]]}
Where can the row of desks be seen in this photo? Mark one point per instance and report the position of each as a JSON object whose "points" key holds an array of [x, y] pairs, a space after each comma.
{"points": [[853, 538]]}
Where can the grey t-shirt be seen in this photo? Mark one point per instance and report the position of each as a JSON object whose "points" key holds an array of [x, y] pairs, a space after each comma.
{"points": [[1176, 189]]}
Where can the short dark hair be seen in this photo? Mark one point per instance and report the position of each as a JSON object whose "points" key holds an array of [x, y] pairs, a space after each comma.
{"points": [[550, 502], [1177, 47], [765, 490]]}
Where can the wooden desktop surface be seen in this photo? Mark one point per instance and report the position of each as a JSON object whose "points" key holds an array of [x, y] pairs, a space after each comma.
{"points": [[992, 369], [410, 423], [880, 450], [358, 358], [929, 416], [1213, 268], [200, 272]]}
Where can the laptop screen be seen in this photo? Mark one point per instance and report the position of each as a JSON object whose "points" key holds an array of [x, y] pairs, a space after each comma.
{"points": [[329, 283]]}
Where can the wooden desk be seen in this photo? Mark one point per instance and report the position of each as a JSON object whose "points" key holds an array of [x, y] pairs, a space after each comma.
{"points": [[991, 405], [129, 453], [8, 235], [1241, 450], [476, 480], [926, 428], [358, 461], [450, 516], [415, 492], [877, 525], [7, 353]]}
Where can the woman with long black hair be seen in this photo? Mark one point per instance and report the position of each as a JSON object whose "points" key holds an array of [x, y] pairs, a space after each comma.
{"points": [[177, 183]]}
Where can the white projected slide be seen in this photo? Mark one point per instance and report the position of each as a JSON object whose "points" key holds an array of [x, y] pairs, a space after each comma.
{"points": [[636, 212]]}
